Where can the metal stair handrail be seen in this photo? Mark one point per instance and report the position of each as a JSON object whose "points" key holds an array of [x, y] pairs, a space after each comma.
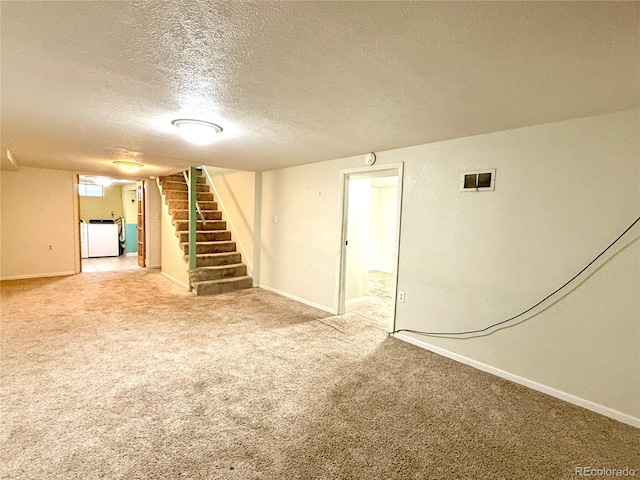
{"points": [[200, 214]]}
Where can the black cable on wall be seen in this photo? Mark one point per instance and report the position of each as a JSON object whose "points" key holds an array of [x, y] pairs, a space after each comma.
{"points": [[524, 312]]}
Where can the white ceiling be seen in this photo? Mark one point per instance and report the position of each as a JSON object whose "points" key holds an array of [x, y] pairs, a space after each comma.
{"points": [[86, 83]]}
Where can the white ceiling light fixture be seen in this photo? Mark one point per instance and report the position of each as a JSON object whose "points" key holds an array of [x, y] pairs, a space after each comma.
{"points": [[197, 131], [128, 166]]}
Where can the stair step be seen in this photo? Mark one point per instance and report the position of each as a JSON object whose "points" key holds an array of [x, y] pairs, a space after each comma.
{"points": [[203, 274], [216, 259], [213, 287], [182, 186], [208, 214], [206, 236], [183, 225], [184, 205], [182, 195], [211, 247], [179, 177]]}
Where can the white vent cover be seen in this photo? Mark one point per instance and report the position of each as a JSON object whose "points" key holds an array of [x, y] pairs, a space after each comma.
{"points": [[478, 180]]}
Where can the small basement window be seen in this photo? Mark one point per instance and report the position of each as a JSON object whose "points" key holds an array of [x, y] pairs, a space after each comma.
{"points": [[478, 180], [90, 190]]}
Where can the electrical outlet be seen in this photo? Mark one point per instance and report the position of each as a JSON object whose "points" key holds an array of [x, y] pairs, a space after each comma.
{"points": [[401, 297], [50, 247]]}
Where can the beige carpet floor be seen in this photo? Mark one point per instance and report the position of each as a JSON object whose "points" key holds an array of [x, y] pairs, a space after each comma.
{"points": [[125, 375], [377, 305]]}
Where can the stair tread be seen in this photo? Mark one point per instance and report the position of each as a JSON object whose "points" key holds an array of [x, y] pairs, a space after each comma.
{"points": [[217, 254], [202, 231], [208, 222], [177, 177], [210, 242], [167, 189], [223, 280], [221, 267], [201, 209], [168, 184]]}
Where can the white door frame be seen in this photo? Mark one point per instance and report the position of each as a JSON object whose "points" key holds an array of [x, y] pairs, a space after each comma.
{"points": [[389, 169]]}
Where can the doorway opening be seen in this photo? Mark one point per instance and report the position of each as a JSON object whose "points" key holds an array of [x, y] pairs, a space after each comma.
{"points": [[371, 207], [108, 214]]}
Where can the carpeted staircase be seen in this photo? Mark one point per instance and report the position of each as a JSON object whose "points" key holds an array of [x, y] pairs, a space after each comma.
{"points": [[219, 267]]}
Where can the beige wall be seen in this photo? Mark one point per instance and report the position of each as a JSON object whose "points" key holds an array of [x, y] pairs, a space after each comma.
{"points": [[173, 264], [359, 247], [101, 207], [39, 223], [129, 207], [153, 224], [39, 207], [300, 251], [234, 191], [563, 192], [384, 216]]}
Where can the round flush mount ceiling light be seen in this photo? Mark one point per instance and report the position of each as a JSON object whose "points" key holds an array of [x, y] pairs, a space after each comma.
{"points": [[197, 131], [129, 167]]}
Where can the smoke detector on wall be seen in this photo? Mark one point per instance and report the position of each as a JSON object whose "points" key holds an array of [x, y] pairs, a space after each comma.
{"points": [[370, 159]]}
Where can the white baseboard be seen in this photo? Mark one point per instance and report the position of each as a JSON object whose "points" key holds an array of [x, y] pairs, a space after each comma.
{"points": [[355, 300], [174, 279], [38, 275], [298, 299], [383, 270], [567, 397]]}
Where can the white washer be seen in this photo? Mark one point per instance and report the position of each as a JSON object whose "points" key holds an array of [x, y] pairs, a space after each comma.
{"points": [[103, 240]]}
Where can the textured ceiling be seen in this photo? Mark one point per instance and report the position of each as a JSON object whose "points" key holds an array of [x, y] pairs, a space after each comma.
{"points": [[86, 83]]}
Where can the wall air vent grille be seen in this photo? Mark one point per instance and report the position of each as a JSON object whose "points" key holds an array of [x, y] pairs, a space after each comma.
{"points": [[478, 180]]}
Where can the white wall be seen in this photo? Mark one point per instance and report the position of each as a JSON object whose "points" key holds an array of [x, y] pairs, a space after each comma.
{"points": [[234, 191], [359, 239], [563, 192], [39, 209], [384, 209], [301, 220]]}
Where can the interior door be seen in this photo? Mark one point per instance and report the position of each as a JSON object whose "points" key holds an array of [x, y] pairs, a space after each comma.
{"points": [[141, 223]]}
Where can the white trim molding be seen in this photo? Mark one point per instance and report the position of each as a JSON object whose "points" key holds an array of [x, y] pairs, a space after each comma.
{"points": [[298, 299], [39, 275], [175, 280]]}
